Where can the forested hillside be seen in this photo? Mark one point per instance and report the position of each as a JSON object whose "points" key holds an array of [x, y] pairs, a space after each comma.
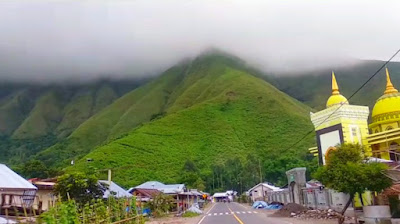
{"points": [[212, 121], [211, 112], [36, 116]]}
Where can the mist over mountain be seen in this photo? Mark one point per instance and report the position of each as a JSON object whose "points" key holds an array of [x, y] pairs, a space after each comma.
{"points": [[42, 41]]}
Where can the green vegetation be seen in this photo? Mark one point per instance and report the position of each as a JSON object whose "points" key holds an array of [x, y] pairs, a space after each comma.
{"points": [[161, 204], [214, 111], [18, 151], [190, 214], [36, 169], [96, 211], [35, 117], [78, 186], [43, 118], [348, 171]]}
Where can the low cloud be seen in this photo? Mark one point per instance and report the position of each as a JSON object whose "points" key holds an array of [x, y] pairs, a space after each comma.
{"points": [[80, 40]]}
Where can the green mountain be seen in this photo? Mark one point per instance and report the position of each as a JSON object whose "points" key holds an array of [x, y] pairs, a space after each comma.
{"points": [[212, 121], [208, 111], [33, 117], [314, 88]]}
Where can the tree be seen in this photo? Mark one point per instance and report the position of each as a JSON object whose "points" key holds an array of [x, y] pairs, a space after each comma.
{"points": [[199, 184], [189, 174], [161, 204], [78, 186], [348, 171], [35, 169]]}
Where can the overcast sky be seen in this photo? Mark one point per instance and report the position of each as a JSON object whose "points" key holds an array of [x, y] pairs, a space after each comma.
{"points": [[42, 40]]}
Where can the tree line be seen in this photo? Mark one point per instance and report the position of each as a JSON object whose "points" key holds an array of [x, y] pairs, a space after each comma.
{"points": [[240, 175]]}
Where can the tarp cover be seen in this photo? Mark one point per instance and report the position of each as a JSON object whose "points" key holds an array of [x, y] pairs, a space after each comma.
{"points": [[265, 205], [195, 209], [6, 221], [9, 180]]}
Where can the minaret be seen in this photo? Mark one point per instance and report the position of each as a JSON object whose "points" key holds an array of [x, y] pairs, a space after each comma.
{"points": [[336, 98], [339, 123], [389, 86], [335, 87]]}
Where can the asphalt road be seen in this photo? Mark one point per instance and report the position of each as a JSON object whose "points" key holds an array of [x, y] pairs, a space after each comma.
{"points": [[234, 213]]}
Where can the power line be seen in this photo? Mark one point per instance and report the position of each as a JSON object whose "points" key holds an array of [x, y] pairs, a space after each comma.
{"points": [[362, 86]]}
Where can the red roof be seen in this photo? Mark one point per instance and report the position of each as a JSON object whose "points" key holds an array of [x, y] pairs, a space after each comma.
{"points": [[393, 190], [145, 192]]}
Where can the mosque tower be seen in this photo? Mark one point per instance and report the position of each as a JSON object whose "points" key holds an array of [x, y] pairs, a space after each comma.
{"points": [[384, 139], [339, 123]]}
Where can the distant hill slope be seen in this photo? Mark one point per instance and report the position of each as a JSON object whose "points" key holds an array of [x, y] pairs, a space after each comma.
{"points": [[207, 111], [34, 117], [314, 88]]}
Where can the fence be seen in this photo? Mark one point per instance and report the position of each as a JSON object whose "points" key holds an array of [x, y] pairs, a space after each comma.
{"points": [[314, 197]]}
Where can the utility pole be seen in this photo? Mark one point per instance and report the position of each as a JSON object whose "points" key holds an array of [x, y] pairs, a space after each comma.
{"points": [[109, 178], [261, 179]]}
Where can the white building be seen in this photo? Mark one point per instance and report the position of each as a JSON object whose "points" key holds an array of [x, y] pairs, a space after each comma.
{"points": [[15, 190], [260, 191]]}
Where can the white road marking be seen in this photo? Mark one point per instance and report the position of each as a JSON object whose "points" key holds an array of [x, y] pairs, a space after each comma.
{"points": [[215, 213], [226, 213], [238, 212], [232, 213], [249, 212], [221, 213], [209, 214], [255, 212], [201, 220], [244, 212]]}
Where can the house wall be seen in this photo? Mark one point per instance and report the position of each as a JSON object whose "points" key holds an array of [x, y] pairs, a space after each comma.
{"points": [[256, 193], [46, 198]]}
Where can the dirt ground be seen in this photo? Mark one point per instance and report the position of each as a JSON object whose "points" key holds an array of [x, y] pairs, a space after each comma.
{"points": [[174, 220]]}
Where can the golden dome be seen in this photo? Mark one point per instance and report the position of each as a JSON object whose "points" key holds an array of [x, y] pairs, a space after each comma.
{"points": [[388, 104], [336, 97]]}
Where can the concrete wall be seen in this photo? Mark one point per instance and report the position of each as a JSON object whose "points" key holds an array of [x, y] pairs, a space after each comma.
{"points": [[313, 198]]}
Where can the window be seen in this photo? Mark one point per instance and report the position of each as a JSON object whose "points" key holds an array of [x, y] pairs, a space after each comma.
{"points": [[354, 131], [389, 128]]}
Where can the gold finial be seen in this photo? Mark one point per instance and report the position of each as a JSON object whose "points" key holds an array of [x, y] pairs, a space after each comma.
{"points": [[335, 87], [389, 86]]}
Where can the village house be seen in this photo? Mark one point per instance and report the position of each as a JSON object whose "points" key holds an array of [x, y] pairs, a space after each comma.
{"points": [[15, 191], [260, 191], [183, 198], [144, 195], [46, 199]]}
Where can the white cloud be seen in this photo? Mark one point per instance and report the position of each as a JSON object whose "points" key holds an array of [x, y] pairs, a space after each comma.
{"points": [[51, 39]]}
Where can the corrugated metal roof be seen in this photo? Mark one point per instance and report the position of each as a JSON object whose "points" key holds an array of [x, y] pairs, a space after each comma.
{"points": [[119, 192], [220, 195], [266, 185], [11, 180], [165, 188]]}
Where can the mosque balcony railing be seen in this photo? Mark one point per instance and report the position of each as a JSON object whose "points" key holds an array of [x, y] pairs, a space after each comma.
{"points": [[382, 137], [393, 152]]}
